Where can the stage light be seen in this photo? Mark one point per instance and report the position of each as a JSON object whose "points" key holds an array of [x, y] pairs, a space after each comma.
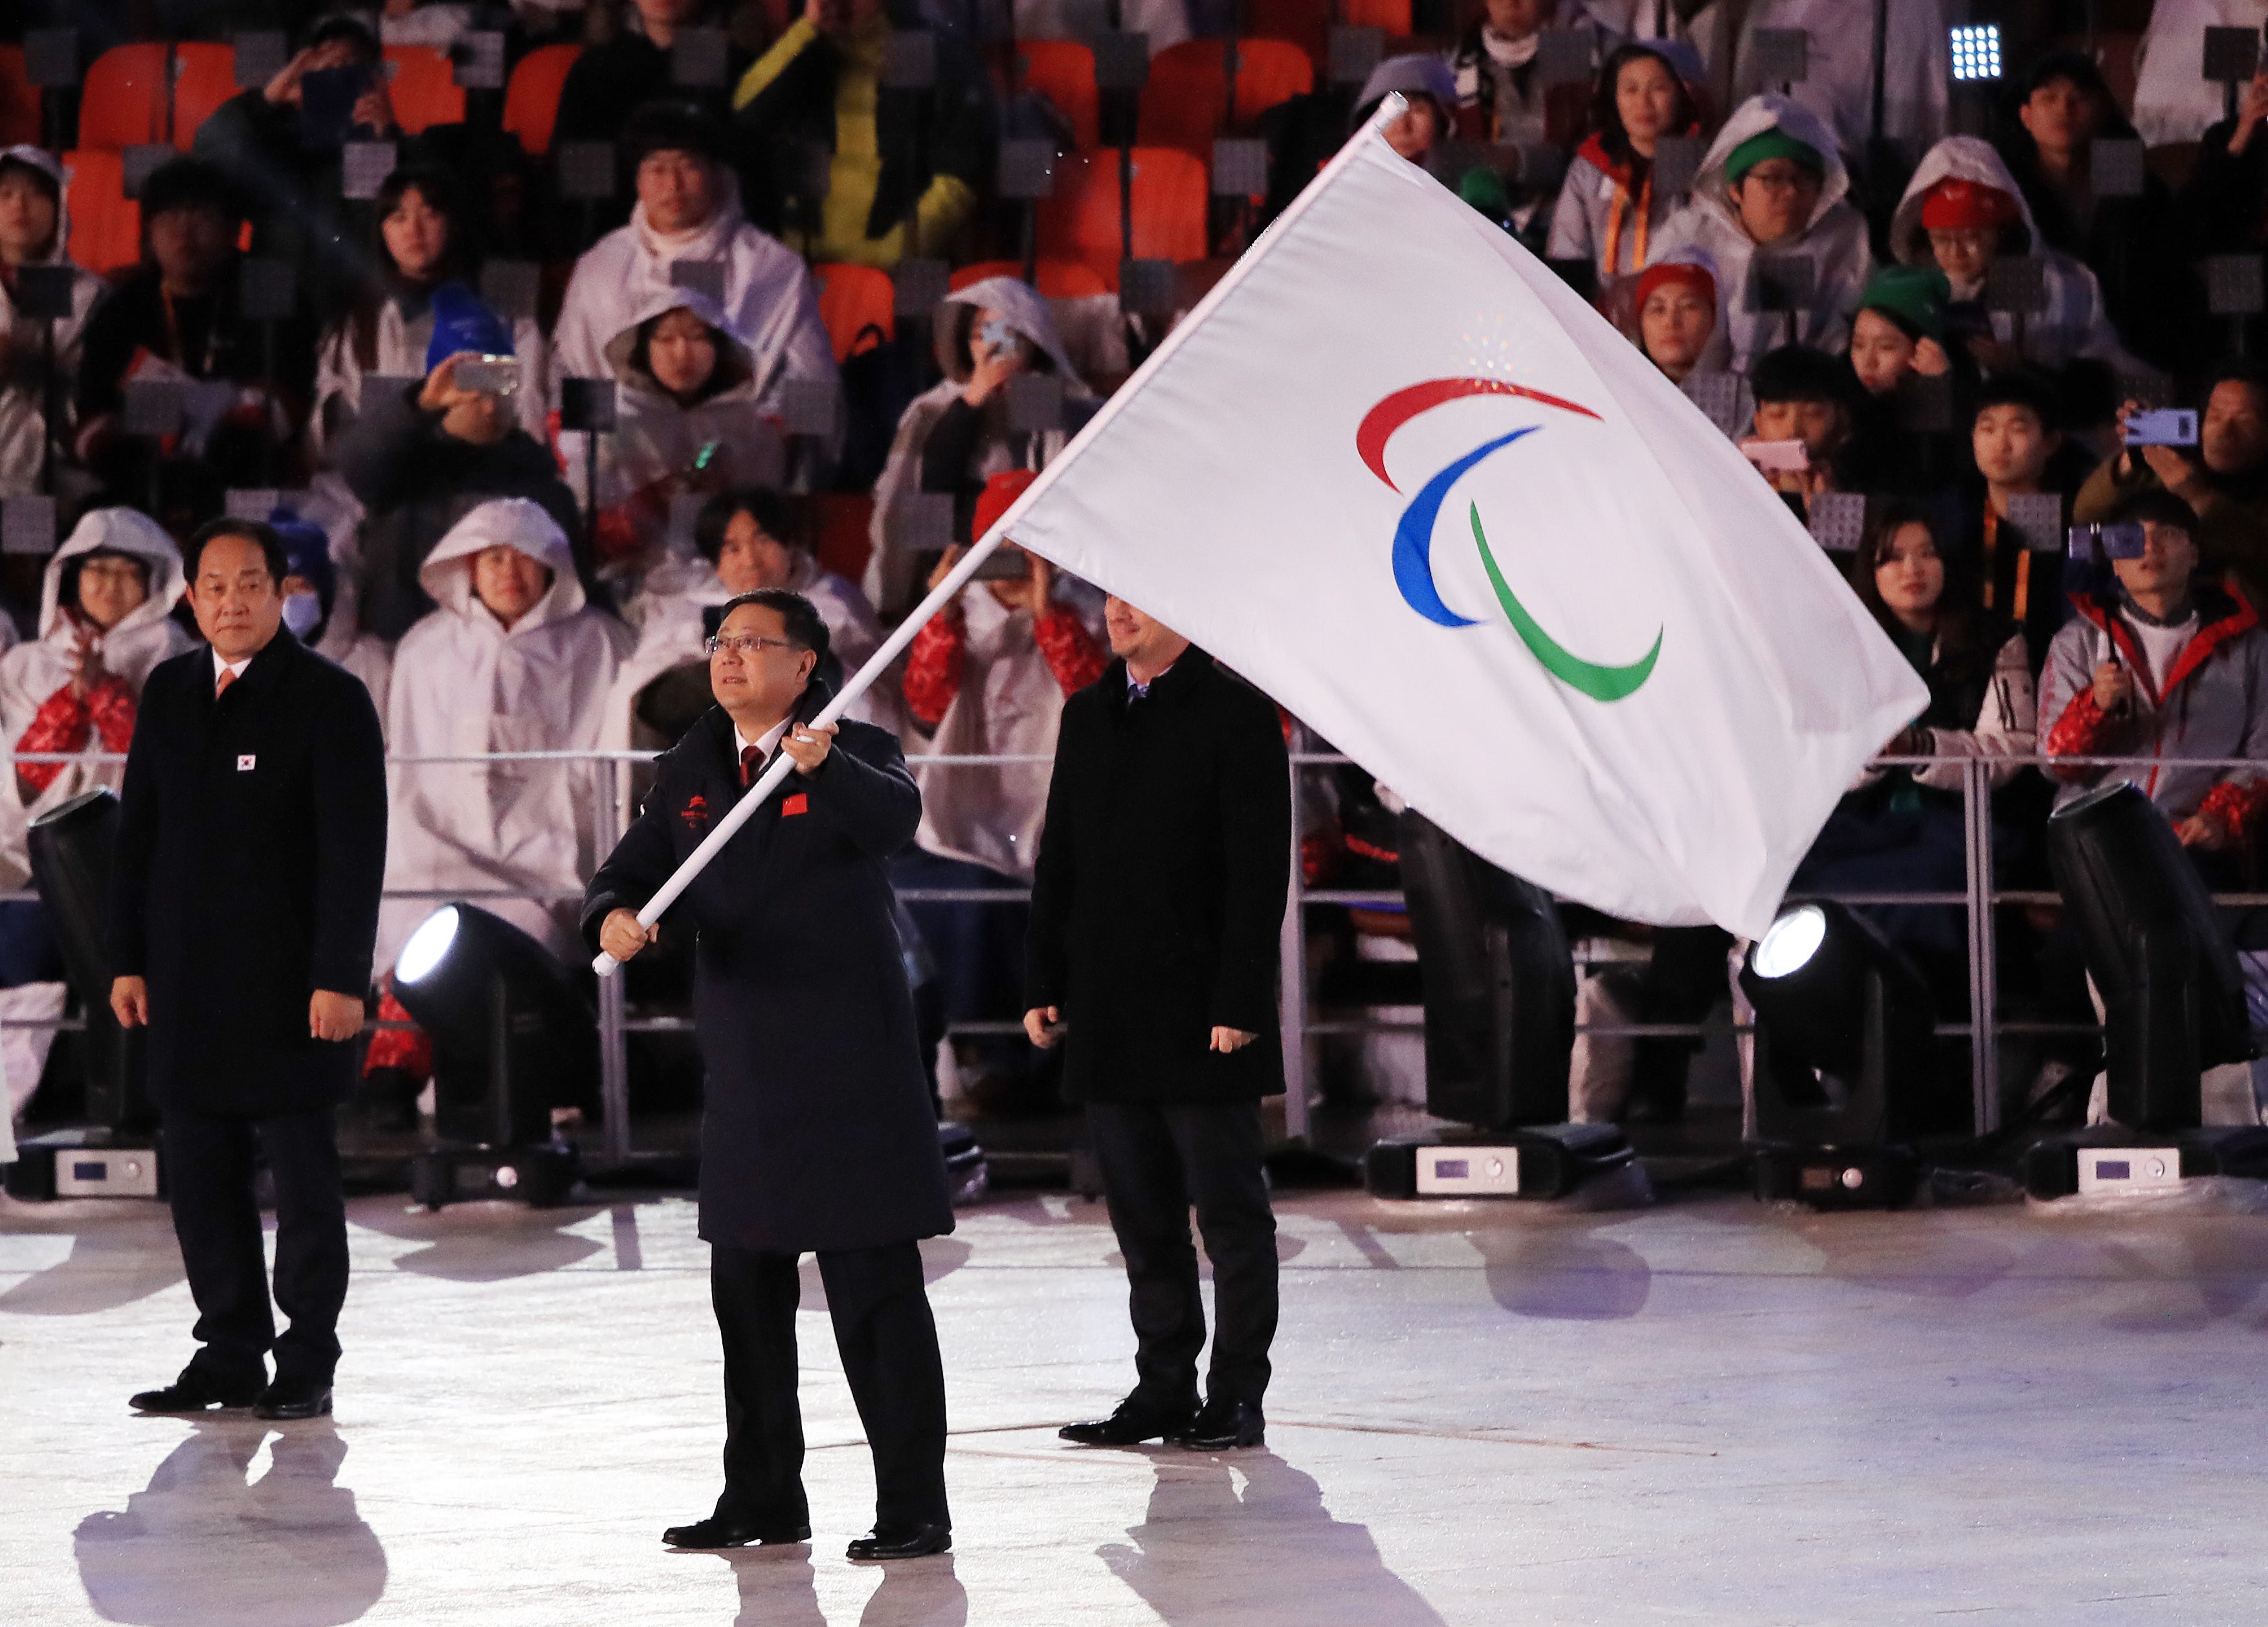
{"points": [[514, 1037], [1975, 50], [2173, 995], [1845, 1070]]}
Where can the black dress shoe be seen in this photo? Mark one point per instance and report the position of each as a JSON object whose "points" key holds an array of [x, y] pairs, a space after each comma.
{"points": [[901, 1542], [194, 1392], [1134, 1423], [294, 1398], [1220, 1425], [715, 1532]]}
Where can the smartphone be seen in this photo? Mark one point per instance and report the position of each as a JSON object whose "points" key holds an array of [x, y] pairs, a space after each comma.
{"points": [[1780, 457], [327, 102], [2169, 426], [2122, 539], [996, 334], [493, 375]]}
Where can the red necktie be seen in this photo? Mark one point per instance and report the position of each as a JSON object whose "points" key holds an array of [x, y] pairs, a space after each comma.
{"points": [[221, 684], [748, 756]]}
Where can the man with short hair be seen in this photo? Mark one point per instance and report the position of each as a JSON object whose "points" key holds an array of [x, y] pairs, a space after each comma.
{"points": [[2223, 478], [2018, 450], [1156, 909], [1811, 398], [250, 853], [817, 1135]]}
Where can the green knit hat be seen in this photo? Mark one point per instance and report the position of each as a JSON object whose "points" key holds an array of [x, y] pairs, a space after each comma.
{"points": [[1772, 143], [1913, 297]]}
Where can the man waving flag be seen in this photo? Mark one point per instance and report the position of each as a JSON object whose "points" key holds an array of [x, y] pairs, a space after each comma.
{"points": [[1399, 476]]}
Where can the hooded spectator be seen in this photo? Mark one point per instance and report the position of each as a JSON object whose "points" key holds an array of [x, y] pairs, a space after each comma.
{"points": [[1812, 397], [613, 78], [424, 241], [419, 459], [1501, 98], [1609, 212], [1431, 90], [685, 425], [311, 603], [1772, 186], [747, 540], [513, 660], [2130, 243], [2017, 449], [1960, 212], [36, 356], [688, 221], [892, 155], [105, 621], [957, 435], [2223, 479]]}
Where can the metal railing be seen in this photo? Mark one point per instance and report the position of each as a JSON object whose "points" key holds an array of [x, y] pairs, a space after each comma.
{"points": [[1979, 898]]}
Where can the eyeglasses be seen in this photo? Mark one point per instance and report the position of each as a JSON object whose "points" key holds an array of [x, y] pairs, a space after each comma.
{"points": [[747, 643]]}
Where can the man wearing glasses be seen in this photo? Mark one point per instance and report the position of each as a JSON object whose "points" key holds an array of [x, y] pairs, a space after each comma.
{"points": [[818, 1135]]}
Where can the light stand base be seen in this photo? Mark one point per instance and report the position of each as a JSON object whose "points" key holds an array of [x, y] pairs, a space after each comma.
{"points": [[83, 1162], [539, 1176], [2052, 1167], [1877, 1176], [1534, 1162]]}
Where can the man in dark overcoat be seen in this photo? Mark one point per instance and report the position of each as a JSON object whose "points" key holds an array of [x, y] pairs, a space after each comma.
{"points": [[817, 1133], [251, 853], [1156, 907]]}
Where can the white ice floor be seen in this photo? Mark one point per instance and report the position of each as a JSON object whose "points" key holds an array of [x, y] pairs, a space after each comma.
{"points": [[1705, 1411]]}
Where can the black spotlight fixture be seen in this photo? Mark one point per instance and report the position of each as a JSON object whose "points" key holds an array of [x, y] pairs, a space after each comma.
{"points": [[1845, 1074], [1498, 985], [513, 1037], [2173, 999], [113, 1151]]}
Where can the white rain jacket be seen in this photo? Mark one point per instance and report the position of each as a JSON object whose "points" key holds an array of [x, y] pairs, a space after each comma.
{"points": [[30, 673], [2074, 322], [1835, 241], [23, 409], [770, 300], [2007, 727], [463, 684], [890, 563], [2173, 101], [399, 344], [655, 439]]}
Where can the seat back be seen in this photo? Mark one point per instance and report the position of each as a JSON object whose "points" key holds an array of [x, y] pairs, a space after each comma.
{"points": [[205, 76], [1056, 279], [1304, 23], [859, 305], [425, 90], [1393, 16], [845, 524], [106, 225], [1186, 103], [122, 100], [19, 101], [531, 100], [1082, 220], [1063, 70]]}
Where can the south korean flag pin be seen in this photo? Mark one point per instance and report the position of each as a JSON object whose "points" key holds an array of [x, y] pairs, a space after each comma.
{"points": [[246, 764]]}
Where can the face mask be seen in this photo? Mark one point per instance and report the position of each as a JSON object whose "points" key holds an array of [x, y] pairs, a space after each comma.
{"points": [[303, 613]]}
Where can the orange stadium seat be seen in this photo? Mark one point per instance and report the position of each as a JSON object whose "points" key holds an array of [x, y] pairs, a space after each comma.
{"points": [[531, 100], [105, 226], [424, 92], [1063, 70], [1057, 279], [1304, 23], [859, 305], [205, 76], [19, 101], [844, 535], [1081, 222], [1186, 102], [1391, 15], [122, 100]]}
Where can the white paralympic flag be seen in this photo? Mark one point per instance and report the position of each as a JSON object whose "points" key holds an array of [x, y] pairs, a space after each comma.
{"points": [[1395, 474]]}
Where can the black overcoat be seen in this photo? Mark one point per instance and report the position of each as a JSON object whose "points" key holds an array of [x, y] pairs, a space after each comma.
{"points": [[1160, 888], [251, 853], [816, 1130]]}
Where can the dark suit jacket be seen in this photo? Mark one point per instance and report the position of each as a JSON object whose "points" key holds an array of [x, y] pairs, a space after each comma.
{"points": [[1160, 887], [816, 1130], [250, 854]]}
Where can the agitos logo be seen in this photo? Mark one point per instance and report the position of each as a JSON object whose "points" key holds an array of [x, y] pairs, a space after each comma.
{"points": [[1413, 534]]}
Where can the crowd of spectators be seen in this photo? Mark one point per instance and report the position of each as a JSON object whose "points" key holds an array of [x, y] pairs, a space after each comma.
{"points": [[529, 424]]}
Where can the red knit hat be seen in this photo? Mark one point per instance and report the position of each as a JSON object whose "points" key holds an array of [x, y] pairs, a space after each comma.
{"points": [[1663, 273], [998, 498], [1966, 205]]}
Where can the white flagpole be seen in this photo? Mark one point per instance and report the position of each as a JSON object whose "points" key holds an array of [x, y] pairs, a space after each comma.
{"points": [[696, 861]]}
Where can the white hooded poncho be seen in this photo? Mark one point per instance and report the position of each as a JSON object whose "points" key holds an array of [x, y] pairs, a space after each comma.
{"points": [[464, 684], [30, 673], [23, 411]]}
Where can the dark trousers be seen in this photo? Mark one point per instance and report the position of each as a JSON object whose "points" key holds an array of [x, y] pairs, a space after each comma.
{"points": [[889, 1343], [209, 1171], [1157, 1161]]}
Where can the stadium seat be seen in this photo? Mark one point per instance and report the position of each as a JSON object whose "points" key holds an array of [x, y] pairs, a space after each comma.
{"points": [[845, 519], [205, 76], [424, 92], [1391, 15], [1063, 70], [1304, 23], [1057, 279], [859, 305], [1081, 221], [105, 226], [122, 100], [531, 100], [1186, 102], [19, 101]]}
